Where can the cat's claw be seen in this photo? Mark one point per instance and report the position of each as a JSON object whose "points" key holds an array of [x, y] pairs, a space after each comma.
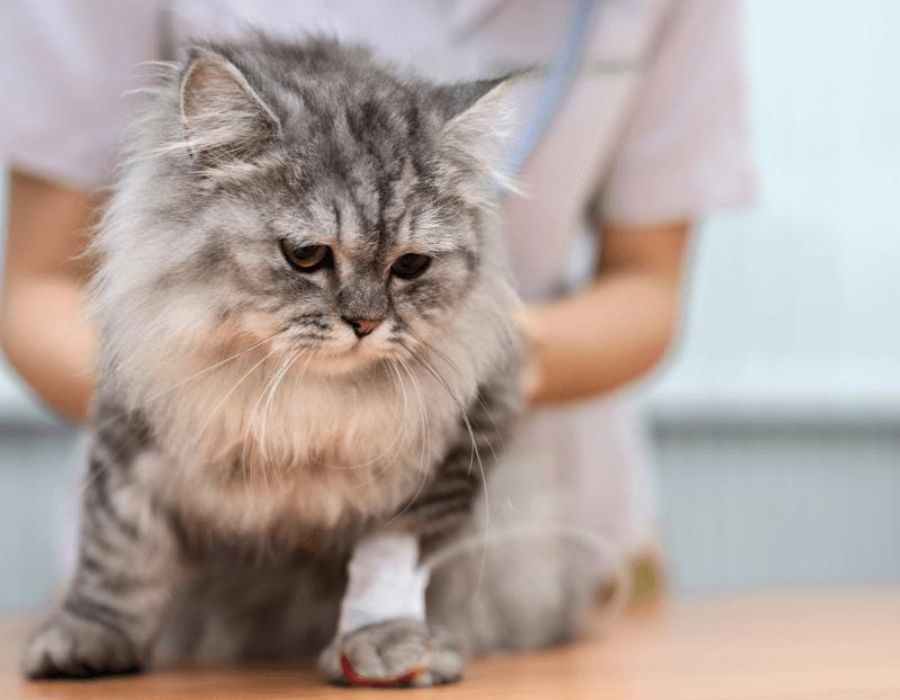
{"points": [[72, 647], [394, 653]]}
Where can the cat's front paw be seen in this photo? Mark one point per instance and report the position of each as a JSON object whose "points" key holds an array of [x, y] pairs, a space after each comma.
{"points": [[69, 646], [402, 652]]}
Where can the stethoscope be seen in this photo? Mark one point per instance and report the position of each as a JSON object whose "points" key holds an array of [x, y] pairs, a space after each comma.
{"points": [[561, 75]]}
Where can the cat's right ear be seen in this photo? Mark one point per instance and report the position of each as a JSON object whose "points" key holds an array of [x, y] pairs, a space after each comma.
{"points": [[225, 120]]}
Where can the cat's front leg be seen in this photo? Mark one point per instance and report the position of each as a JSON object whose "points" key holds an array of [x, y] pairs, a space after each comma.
{"points": [[127, 569], [383, 638]]}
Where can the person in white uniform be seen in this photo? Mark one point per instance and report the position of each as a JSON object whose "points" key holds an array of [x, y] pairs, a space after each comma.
{"points": [[650, 137]]}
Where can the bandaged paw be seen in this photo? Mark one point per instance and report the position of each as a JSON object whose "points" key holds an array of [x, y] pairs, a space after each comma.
{"points": [[385, 582]]}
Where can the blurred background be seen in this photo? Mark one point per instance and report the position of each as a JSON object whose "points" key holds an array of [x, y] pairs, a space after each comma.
{"points": [[776, 423]]}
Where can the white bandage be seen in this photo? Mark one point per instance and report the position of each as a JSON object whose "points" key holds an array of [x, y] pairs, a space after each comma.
{"points": [[385, 582]]}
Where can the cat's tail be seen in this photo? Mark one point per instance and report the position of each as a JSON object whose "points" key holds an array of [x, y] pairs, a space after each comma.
{"points": [[527, 586], [524, 573], [608, 557]]}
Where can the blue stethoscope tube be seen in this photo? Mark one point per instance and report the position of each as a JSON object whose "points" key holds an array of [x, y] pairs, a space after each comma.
{"points": [[562, 73]]}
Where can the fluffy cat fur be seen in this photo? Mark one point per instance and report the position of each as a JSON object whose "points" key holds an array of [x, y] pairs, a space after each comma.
{"points": [[244, 434]]}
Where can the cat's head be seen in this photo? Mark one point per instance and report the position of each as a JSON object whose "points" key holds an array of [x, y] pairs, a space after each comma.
{"points": [[307, 195]]}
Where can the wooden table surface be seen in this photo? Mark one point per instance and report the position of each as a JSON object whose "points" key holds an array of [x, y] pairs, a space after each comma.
{"points": [[802, 645]]}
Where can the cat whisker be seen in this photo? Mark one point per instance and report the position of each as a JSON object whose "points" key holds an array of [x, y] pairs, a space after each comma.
{"points": [[86, 483], [424, 451], [267, 408], [388, 452], [391, 452], [228, 393], [487, 504], [455, 367], [193, 377], [253, 439]]}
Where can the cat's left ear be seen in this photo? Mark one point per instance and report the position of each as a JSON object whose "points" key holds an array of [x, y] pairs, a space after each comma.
{"points": [[224, 118], [479, 118]]}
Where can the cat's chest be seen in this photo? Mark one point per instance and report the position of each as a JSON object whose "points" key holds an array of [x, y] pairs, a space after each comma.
{"points": [[317, 458]]}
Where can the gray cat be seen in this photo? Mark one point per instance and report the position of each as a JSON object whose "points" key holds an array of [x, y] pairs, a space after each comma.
{"points": [[305, 335]]}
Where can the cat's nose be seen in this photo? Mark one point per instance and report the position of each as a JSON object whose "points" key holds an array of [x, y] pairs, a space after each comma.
{"points": [[362, 326]]}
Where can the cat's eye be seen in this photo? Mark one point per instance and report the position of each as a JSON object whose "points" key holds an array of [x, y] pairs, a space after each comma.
{"points": [[307, 258], [410, 266]]}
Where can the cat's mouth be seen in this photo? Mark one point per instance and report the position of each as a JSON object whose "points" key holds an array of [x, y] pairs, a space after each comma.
{"points": [[357, 357]]}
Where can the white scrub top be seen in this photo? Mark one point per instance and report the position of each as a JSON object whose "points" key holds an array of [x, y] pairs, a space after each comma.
{"points": [[653, 130]]}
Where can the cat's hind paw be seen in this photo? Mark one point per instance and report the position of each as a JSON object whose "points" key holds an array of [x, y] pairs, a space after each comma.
{"points": [[394, 653], [69, 646]]}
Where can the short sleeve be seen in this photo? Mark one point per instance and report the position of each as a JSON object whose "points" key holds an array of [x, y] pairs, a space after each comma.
{"points": [[686, 146], [64, 67]]}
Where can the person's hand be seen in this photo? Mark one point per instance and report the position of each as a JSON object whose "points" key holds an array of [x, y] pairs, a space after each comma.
{"points": [[614, 329], [532, 377]]}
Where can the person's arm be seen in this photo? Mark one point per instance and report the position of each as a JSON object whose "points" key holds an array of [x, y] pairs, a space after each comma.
{"points": [[44, 331], [684, 154], [615, 329]]}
